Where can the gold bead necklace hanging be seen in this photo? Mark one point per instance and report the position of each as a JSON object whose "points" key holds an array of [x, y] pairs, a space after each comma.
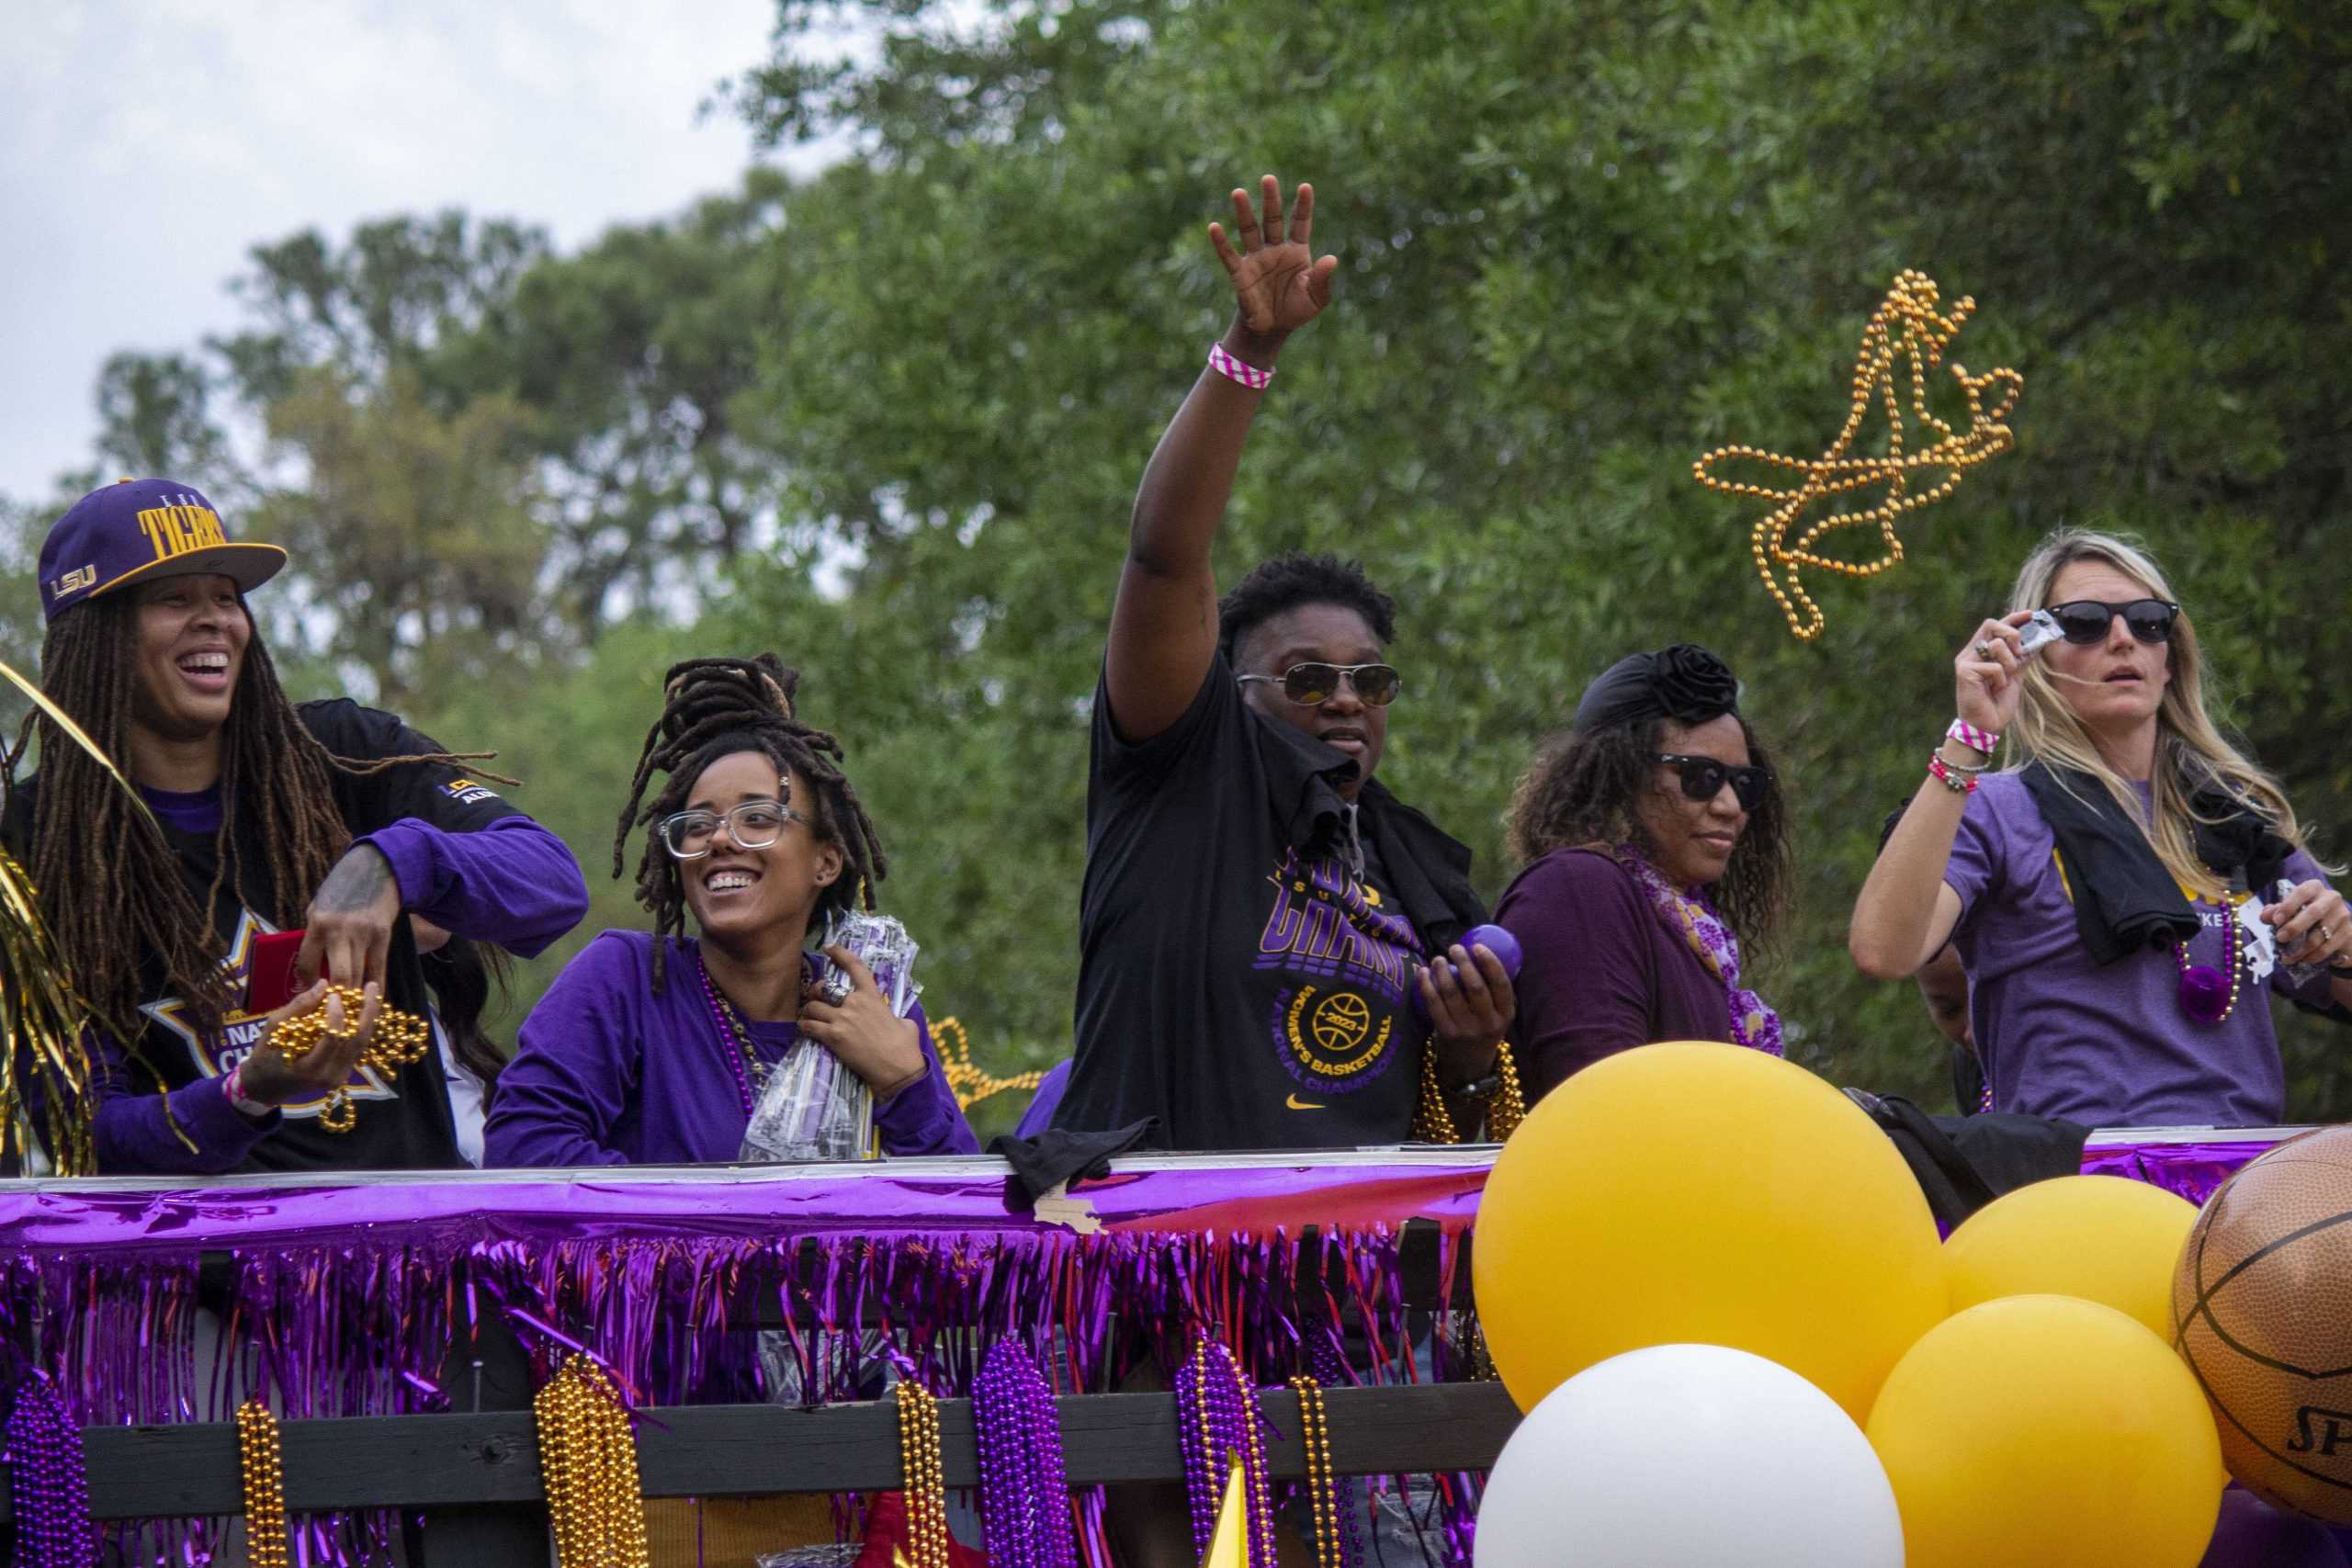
{"points": [[925, 1479], [401, 1039], [265, 1486], [1315, 1435], [1433, 1124], [1909, 309], [588, 1462], [971, 1084]]}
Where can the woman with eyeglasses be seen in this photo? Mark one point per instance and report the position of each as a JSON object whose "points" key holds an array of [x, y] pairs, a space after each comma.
{"points": [[1657, 863], [2129, 888], [651, 1049], [1258, 913]]}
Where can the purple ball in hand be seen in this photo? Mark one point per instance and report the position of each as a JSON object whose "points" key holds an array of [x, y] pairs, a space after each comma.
{"points": [[1497, 941]]}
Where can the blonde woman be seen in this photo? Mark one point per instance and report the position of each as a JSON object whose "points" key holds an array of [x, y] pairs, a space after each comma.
{"points": [[2128, 886]]}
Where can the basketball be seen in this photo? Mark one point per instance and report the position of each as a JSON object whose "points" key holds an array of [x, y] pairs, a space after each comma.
{"points": [[2262, 1311]]}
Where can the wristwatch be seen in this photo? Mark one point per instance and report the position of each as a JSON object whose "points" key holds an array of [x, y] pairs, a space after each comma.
{"points": [[1479, 1089]]}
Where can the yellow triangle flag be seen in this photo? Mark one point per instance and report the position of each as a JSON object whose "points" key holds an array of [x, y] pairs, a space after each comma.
{"points": [[1229, 1543]]}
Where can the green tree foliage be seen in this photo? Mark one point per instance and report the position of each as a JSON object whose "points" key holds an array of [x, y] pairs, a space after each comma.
{"points": [[889, 423], [1580, 245]]}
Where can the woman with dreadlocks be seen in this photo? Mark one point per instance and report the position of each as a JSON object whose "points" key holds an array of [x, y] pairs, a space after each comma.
{"points": [[652, 1048], [1657, 854], [263, 816]]}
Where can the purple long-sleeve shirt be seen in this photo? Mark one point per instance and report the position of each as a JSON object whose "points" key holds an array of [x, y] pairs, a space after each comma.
{"points": [[462, 857], [511, 882], [610, 1072]]}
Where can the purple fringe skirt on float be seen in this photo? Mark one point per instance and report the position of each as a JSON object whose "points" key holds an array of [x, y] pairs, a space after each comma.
{"points": [[345, 1300]]}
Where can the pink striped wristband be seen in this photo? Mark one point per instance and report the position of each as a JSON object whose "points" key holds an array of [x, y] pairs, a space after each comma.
{"points": [[1234, 371], [1976, 739]]}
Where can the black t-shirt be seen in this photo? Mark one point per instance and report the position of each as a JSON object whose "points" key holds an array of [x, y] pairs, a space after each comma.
{"points": [[402, 1124], [1240, 978]]}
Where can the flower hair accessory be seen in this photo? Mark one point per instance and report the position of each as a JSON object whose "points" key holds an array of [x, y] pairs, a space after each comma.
{"points": [[1907, 327], [1684, 683]]}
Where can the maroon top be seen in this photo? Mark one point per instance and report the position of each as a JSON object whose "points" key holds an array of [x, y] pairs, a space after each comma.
{"points": [[1602, 973]]}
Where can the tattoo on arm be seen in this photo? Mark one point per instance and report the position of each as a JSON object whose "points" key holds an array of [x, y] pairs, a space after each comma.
{"points": [[358, 882]]}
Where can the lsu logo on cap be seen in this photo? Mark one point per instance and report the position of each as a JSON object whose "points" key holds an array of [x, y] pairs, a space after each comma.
{"points": [[176, 529], [73, 582]]}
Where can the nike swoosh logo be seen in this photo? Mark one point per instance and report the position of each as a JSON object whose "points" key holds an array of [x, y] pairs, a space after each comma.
{"points": [[1295, 1103]]}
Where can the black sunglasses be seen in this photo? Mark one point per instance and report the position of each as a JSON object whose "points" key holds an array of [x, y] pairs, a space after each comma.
{"points": [[1309, 684], [1703, 778], [2086, 620]]}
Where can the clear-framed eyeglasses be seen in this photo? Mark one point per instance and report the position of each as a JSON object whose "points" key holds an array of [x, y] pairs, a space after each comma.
{"points": [[754, 825]]}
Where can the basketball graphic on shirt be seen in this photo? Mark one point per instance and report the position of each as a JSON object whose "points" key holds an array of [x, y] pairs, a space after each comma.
{"points": [[1331, 1033], [2262, 1309], [1341, 1020]]}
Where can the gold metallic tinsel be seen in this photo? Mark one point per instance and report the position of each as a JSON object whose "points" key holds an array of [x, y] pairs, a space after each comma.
{"points": [[42, 1017]]}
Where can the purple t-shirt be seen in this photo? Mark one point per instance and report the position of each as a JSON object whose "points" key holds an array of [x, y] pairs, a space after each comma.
{"points": [[608, 1073], [2103, 1044], [1600, 972]]}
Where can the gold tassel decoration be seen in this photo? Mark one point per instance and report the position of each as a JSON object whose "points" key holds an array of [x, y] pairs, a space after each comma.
{"points": [[42, 1015]]}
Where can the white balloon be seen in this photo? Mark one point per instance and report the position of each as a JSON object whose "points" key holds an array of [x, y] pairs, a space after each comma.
{"points": [[1688, 1456]]}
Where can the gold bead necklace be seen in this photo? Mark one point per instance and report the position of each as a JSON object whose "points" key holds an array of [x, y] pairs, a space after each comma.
{"points": [[264, 1485], [1315, 1435], [925, 1480], [401, 1039], [1910, 308], [588, 1463], [1433, 1124]]}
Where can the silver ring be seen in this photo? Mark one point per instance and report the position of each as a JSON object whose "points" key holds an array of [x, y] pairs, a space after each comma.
{"points": [[1984, 649]]}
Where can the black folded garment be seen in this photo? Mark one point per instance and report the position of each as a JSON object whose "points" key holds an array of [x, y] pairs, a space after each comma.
{"points": [[1965, 1162], [1056, 1155]]}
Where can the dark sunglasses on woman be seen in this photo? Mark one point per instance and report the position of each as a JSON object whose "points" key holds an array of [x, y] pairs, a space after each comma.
{"points": [[1309, 684], [2085, 620], [1703, 778]]}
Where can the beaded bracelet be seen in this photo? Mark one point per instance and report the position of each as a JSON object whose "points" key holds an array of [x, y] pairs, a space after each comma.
{"points": [[1976, 739], [1237, 372], [1956, 780]]}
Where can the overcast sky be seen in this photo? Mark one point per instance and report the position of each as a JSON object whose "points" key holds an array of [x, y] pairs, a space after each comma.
{"points": [[146, 147]]}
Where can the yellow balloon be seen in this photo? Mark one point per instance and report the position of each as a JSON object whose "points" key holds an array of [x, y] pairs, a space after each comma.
{"points": [[1704, 1194], [2048, 1430], [2100, 1237]]}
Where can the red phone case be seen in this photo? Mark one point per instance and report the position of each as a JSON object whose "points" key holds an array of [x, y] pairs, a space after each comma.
{"points": [[269, 979]]}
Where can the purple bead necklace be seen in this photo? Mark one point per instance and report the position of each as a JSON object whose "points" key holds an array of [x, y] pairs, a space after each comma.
{"points": [[1216, 1420], [1024, 1489], [750, 1071], [47, 1485]]}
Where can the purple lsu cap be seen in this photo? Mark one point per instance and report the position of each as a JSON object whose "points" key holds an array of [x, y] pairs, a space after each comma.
{"points": [[136, 530]]}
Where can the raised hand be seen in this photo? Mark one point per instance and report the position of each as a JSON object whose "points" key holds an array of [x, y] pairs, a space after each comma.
{"points": [[1988, 675], [1278, 284]]}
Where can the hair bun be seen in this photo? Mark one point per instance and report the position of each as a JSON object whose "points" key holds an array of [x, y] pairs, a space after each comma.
{"points": [[696, 690]]}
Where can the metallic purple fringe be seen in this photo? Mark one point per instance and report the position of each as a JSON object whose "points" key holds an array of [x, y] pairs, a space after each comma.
{"points": [[359, 1329]]}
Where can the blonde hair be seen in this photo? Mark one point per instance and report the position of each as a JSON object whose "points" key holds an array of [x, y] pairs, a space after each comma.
{"points": [[2191, 752]]}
